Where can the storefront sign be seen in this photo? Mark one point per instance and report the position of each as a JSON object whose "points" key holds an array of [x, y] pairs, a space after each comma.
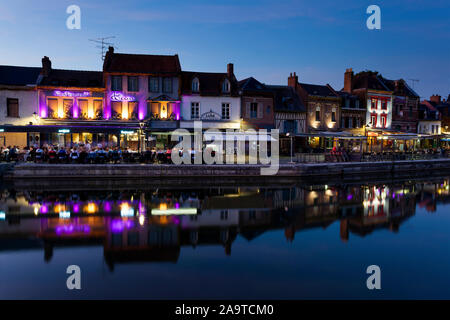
{"points": [[211, 115], [119, 96], [126, 131], [2, 130], [71, 94], [64, 131]]}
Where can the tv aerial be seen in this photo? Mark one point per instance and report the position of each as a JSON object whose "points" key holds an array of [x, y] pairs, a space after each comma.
{"points": [[103, 45]]}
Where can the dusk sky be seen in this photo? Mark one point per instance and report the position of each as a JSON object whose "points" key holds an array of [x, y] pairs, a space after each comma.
{"points": [[266, 39]]}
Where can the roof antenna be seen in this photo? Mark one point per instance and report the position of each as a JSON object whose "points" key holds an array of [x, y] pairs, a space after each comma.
{"points": [[414, 81], [102, 44]]}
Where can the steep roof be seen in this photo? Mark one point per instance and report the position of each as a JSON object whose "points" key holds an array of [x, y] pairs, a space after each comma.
{"points": [[369, 80], [141, 63], [73, 78], [399, 87], [286, 99], [318, 90], [210, 83], [253, 85], [19, 76]]}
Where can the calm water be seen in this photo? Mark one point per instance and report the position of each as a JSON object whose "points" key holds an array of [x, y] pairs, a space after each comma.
{"points": [[227, 242]]}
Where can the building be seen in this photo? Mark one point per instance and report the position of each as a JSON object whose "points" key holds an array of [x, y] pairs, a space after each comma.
{"points": [[405, 110], [290, 117], [443, 106], [18, 103], [353, 113], [71, 109], [257, 105], [322, 103], [212, 98], [143, 90], [429, 119], [376, 96]]}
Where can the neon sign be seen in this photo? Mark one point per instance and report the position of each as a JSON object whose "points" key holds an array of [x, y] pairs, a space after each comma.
{"points": [[71, 94], [64, 131], [119, 96]]}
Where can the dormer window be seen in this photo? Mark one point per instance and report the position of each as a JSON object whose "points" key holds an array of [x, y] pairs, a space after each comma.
{"points": [[195, 85], [226, 86]]}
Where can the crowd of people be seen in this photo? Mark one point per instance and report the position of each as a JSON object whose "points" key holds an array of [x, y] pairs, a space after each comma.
{"points": [[84, 153]]}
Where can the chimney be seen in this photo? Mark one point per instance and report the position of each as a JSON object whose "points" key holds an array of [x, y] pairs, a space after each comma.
{"points": [[435, 98], [108, 56], [348, 80], [293, 81], [46, 66], [230, 70]]}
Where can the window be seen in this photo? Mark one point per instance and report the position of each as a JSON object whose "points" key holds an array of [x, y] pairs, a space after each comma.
{"points": [[67, 109], [52, 105], [290, 126], [397, 110], [116, 83], [223, 214], [373, 119], [225, 111], [167, 85], [116, 110], [410, 111], [347, 103], [226, 86], [333, 115], [384, 105], [195, 85], [132, 110], [153, 84], [12, 109], [253, 110], [374, 103], [133, 83], [195, 110], [350, 122], [83, 105], [268, 110], [357, 104], [358, 123], [98, 107], [383, 120], [318, 114]]}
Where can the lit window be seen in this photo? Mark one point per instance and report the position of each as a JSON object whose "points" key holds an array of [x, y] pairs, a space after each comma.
{"points": [[318, 114]]}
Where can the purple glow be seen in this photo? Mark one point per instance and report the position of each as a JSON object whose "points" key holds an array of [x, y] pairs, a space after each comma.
{"points": [[43, 113], [71, 94], [44, 209], [76, 208], [141, 115], [177, 205], [119, 225], [107, 206], [119, 96], [350, 197], [68, 229]]}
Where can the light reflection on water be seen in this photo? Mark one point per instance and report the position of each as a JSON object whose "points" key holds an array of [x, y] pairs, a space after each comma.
{"points": [[292, 242]]}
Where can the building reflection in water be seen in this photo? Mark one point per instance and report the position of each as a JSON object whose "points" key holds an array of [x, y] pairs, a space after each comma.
{"points": [[153, 225]]}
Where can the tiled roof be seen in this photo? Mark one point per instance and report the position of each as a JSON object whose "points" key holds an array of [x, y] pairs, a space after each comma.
{"points": [[318, 90], [286, 99], [141, 63], [252, 85], [210, 84], [401, 89], [19, 76], [73, 78], [369, 80]]}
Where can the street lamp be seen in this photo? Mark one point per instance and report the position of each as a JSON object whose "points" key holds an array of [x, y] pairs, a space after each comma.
{"points": [[289, 135], [141, 127]]}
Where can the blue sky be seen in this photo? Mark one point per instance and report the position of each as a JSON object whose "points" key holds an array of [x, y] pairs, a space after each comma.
{"points": [[266, 39]]}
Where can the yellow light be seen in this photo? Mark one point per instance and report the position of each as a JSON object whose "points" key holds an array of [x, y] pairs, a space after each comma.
{"points": [[59, 208], [91, 208], [90, 113], [141, 220], [36, 211], [181, 211], [60, 113], [163, 206]]}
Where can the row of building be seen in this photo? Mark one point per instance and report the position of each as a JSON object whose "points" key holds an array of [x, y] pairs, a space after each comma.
{"points": [[137, 100]]}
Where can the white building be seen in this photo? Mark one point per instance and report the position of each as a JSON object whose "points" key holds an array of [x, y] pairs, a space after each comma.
{"points": [[212, 98], [18, 103]]}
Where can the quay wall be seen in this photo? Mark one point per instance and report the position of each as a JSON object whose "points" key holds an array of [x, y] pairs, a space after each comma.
{"points": [[321, 171]]}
